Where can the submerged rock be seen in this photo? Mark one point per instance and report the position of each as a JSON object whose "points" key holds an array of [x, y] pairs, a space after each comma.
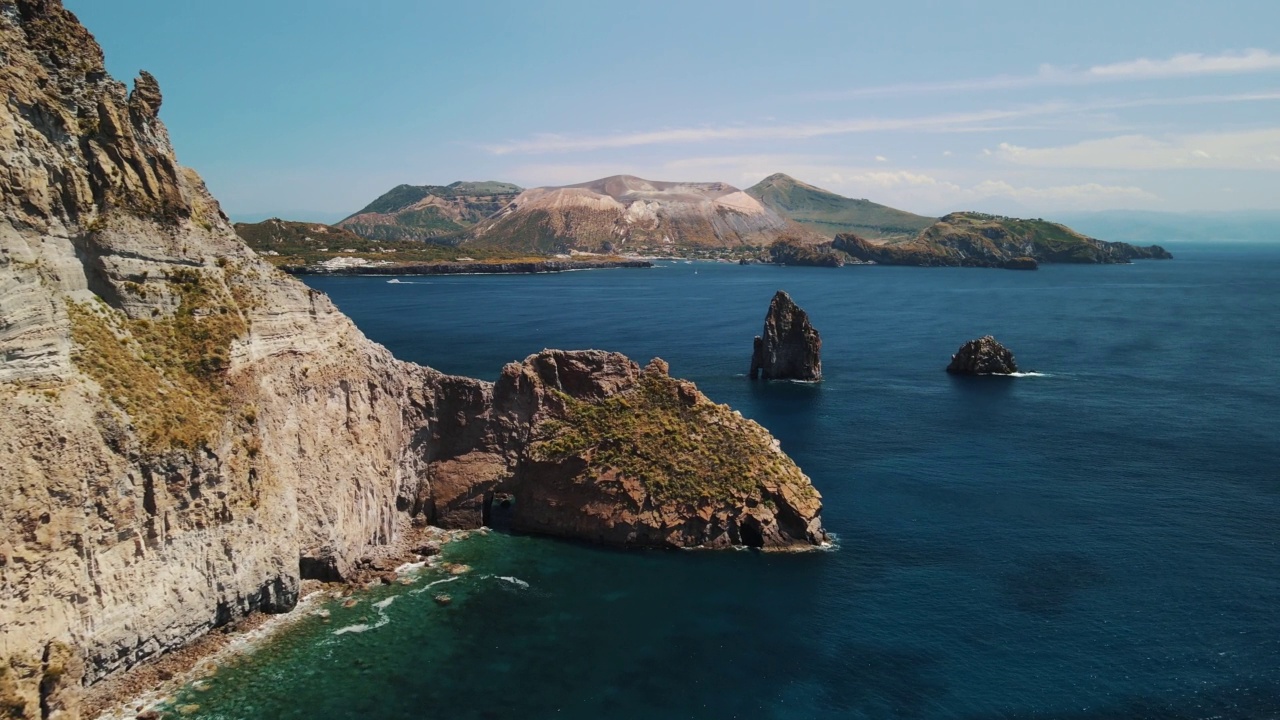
{"points": [[983, 356], [789, 349]]}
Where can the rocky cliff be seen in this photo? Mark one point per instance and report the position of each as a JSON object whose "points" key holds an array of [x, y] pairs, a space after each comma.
{"points": [[186, 432], [968, 239], [789, 348], [983, 356]]}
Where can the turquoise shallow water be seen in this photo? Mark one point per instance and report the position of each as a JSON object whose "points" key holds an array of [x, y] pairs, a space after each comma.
{"points": [[1098, 542]]}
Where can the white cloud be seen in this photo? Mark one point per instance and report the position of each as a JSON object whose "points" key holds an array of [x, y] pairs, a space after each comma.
{"points": [[1189, 64], [1245, 150], [1249, 61], [979, 121], [549, 143], [881, 158]]}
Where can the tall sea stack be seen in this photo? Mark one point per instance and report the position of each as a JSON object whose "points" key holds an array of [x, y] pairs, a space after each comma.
{"points": [[789, 348]]}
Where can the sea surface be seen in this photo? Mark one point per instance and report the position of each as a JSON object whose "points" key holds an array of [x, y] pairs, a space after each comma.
{"points": [[1098, 540]]}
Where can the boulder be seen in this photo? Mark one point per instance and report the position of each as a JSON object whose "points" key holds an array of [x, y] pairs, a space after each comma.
{"points": [[983, 356], [789, 348]]}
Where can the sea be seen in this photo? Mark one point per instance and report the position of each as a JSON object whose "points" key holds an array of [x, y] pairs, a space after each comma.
{"points": [[1097, 538]]}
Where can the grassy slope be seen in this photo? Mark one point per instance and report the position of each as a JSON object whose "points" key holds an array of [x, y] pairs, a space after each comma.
{"points": [[831, 214], [470, 203]]}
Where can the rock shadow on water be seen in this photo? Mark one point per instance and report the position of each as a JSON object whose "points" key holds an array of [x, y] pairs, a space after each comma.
{"points": [[1047, 584]]}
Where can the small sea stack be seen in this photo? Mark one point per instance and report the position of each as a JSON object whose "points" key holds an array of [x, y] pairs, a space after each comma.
{"points": [[983, 356], [789, 348]]}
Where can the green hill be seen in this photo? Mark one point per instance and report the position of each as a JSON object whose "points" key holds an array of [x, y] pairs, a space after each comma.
{"points": [[981, 240], [830, 214], [440, 213]]}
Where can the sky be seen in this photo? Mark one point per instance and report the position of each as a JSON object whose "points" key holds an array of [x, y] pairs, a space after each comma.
{"points": [[309, 109]]}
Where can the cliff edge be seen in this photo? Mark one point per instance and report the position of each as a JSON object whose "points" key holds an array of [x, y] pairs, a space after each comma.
{"points": [[186, 432]]}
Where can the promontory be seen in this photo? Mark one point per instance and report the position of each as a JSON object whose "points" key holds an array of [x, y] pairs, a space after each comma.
{"points": [[186, 432]]}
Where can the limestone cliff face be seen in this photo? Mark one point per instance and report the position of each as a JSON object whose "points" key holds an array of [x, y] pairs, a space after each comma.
{"points": [[789, 348], [185, 432]]}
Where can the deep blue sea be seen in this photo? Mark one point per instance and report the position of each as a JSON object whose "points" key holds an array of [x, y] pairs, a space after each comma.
{"points": [[1099, 541]]}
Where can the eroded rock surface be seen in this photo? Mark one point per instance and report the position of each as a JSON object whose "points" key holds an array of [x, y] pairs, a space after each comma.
{"points": [[789, 348], [186, 432], [983, 356]]}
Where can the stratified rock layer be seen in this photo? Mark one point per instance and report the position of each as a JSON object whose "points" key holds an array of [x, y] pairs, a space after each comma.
{"points": [[983, 356], [789, 348], [186, 432]]}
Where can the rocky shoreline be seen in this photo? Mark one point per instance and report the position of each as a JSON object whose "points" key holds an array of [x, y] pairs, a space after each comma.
{"points": [[140, 691], [468, 268]]}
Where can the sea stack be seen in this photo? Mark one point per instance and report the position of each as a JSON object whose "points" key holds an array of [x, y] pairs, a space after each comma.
{"points": [[983, 356], [789, 348]]}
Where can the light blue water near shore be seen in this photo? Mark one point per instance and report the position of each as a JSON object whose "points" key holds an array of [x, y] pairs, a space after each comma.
{"points": [[1096, 542]]}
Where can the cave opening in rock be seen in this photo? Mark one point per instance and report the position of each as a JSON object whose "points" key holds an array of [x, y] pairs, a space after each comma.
{"points": [[751, 535], [499, 511]]}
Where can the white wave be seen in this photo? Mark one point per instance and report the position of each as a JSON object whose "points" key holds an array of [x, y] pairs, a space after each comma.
{"points": [[362, 627], [514, 581], [430, 585], [1029, 374], [382, 604], [410, 566]]}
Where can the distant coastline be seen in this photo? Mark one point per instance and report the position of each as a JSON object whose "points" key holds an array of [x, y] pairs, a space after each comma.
{"points": [[467, 268]]}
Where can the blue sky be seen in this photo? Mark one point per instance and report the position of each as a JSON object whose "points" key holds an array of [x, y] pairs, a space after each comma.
{"points": [[311, 108]]}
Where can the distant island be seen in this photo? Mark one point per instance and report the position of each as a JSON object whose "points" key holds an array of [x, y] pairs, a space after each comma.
{"points": [[970, 239], [619, 221]]}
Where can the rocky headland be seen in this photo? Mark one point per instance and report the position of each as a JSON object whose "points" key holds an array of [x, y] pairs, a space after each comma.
{"points": [[789, 348], [793, 251], [187, 433], [983, 356], [968, 239]]}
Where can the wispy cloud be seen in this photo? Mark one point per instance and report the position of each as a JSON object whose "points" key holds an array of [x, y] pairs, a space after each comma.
{"points": [[1249, 61], [980, 121], [550, 143], [1245, 150]]}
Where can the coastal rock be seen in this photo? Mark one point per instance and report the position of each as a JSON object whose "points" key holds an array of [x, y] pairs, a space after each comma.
{"points": [[789, 348], [186, 432], [983, 356], [632, 457], [1021, 263], [792, 251]]}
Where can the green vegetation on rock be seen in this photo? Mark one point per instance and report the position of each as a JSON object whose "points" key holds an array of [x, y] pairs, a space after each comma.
{"points": [[440, 213], [680, 448], [982, 240]]}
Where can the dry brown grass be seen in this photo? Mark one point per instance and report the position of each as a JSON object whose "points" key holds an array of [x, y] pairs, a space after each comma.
{"points": [[167, 374]]}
